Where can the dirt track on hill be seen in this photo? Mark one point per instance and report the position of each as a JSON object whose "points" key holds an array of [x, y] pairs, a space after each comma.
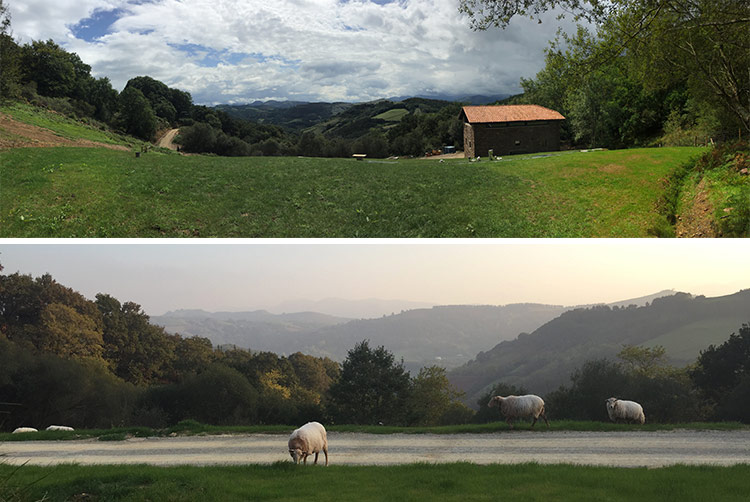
{"points": [[620, 449], [15, 134], [167, 140]]}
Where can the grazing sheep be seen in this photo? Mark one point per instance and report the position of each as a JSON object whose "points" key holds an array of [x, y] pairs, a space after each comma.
{"points": [[60, 428], [511, 407], [308, 439], [619, 409], [21, 430]]}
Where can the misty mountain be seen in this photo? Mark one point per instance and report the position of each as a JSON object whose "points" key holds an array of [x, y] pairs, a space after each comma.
{"points": [[446, 335], [543, 360], [257, 330], [355, 309]]}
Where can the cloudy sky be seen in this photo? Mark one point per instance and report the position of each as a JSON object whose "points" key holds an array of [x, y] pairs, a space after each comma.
{"points": [[232, 51], [242, 275]]}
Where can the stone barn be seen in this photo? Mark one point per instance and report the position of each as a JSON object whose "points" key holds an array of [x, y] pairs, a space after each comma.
{"points": [[509, 129]]}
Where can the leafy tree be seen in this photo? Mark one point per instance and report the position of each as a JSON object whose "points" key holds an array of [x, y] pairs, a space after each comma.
{"points": [[315, 374], [219, 395], [704, 40], [311, 145], [138, 351], [192, 355], [55, 71], [722, 372], [136, 116], [48, 317], [433, 397], [65, 332], [646, 361], [198, 138], [51, 389], [372, 388], [10, 55]]}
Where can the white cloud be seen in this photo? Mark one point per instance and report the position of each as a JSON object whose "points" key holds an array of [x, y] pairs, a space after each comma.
{"points": [[300, 49]]}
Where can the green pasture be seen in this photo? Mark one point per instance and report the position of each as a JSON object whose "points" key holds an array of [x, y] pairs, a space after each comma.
{"points": [[93, 192], [393, 115], [414, 482]]}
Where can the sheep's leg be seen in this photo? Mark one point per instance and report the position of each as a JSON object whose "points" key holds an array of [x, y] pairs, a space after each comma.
{"points": [[510, 422], [316, 458], [304, 458], [533, 423], [325, 450]]}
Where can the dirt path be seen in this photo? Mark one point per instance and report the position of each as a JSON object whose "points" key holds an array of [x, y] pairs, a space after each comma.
{"points": [[622, 449], [697, 221], [15, 134], [167, 140]]}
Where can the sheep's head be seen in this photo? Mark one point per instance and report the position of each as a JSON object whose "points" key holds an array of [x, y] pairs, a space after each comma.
{"points": [[495, 402], [611, 403], [297, 449]]}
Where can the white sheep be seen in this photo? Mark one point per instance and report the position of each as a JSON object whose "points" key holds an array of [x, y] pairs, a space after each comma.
{"points": [[60, 428], [528, 406], [21, 430], [619, 409], [308, 439]]}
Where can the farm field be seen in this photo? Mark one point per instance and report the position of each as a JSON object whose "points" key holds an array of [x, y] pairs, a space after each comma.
{"points": [[98, 192], [415, 482]]}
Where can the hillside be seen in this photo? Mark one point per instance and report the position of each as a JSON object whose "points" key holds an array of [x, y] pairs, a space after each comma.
{"points": [[544, 359], [341, 120], [447, 335], [291, 115]]}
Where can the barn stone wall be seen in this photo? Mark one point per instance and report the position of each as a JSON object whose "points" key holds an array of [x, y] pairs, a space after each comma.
{"points": [[511, 138]]}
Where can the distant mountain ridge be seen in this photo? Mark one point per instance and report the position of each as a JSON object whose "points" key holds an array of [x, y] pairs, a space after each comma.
{"points": [[543, 360], [444, 335], [345, 119]]}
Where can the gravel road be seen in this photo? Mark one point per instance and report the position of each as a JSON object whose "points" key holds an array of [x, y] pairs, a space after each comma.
{"points": [[624, 449]]}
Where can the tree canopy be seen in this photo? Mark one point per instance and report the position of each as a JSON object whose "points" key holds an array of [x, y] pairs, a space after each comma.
{"points": [[704, 43]]}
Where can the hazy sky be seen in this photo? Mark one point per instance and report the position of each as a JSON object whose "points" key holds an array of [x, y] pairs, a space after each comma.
{"points": [[311, 50], [237, 275]]}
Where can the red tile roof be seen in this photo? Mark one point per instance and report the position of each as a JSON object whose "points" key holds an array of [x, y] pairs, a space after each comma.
{"points": [[509, 113]]}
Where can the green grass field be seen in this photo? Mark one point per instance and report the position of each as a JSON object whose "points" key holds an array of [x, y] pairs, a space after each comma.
{"points": [[92, 192], [416, 482]]}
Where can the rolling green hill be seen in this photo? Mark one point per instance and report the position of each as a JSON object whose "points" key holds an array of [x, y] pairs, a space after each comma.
{"points": [[346, 120]]}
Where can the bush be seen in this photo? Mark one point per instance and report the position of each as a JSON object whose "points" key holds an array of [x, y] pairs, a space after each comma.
{"points": [[199, 138]]}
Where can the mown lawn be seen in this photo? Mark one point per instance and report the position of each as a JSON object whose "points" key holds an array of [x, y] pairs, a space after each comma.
{"points": [[415, 482], [91, 192]]}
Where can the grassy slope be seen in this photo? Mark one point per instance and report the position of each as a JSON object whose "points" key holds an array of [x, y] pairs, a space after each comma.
{"points": [[66, 127], [416, 482], [684, 345], [77, 192]]}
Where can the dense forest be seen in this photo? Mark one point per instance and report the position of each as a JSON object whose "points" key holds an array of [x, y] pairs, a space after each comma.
{"points": [[602, 79], [94, 364]]}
